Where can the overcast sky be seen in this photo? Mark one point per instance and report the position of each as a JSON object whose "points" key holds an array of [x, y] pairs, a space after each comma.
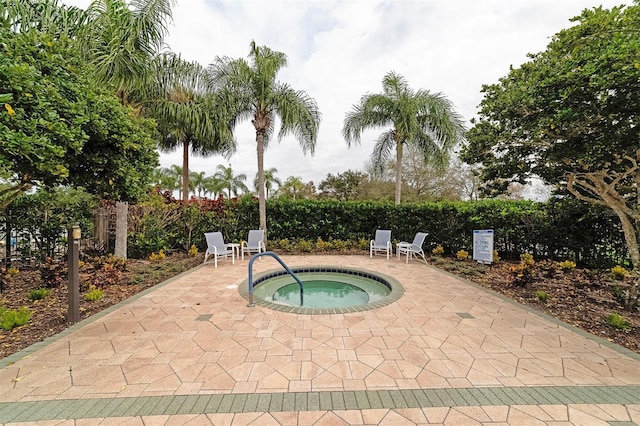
{"points": [[340, 50]]}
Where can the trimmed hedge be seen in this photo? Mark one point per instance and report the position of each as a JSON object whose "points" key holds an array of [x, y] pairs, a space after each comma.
{"points": [[559, 229]]}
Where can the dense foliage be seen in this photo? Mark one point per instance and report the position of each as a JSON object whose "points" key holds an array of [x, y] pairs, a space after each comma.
{"points": [[560, 229], [571, 115], [59, 128]]}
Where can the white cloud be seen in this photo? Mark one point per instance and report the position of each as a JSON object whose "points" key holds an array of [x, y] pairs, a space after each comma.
{"points": [[339, 50]]}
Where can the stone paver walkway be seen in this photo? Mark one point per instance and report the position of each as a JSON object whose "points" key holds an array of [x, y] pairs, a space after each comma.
{"points": [[447, 352]]}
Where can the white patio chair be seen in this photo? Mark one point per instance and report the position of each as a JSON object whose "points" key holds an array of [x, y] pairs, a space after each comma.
{"points": [[254, 244], [414, 248], [217, 248], [382, 243]]}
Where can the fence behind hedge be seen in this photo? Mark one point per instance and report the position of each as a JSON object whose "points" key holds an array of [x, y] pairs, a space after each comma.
{"points": [[559, 229]]}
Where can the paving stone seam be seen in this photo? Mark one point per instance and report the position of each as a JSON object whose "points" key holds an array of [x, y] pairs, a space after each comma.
{"points": [[74, 409]]}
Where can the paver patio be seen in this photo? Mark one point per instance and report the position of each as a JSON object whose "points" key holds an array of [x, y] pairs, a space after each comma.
{"points": [[448, 352]]}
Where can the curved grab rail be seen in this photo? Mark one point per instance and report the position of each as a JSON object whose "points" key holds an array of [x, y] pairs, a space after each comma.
{"points": [[286, 268]]}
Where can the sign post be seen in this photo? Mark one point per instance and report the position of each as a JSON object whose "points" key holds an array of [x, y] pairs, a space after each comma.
{"points": [[483, 246], [74, 274]]}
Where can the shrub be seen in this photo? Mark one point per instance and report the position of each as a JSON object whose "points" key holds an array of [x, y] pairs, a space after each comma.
{"points": [[39, 293], [438, 250], [53, 273], [93, 294], [14, 318], [193, 251], [157, 257], [567, 265], [462, 255], [527, 259], [618, 273], [522, 273], [305, 246], [496, 256], [363, 244], [542, 296], [322, 245], [340, 245], [12, 271], [617, 321]]}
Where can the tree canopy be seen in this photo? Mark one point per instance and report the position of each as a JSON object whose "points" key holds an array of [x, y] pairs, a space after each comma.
{"points": [[59, 128], [570, 115]]}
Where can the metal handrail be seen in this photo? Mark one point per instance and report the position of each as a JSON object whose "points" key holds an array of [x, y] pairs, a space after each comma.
{"points": [[286, 268]]}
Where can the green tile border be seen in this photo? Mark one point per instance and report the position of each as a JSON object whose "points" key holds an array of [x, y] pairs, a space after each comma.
{"points": [[75, 409]]}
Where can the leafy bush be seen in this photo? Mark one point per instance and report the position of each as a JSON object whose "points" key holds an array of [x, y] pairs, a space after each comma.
{"points": [[527, 259], [39, 293], [438, 250], [157, 257], [619, 273], [542, 296], [496, 256], [93, 294], [193, 251], [462, 255], [617, 321], [567, 265], [14, 318]]}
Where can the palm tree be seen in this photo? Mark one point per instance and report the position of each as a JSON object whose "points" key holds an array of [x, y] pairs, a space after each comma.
{"points": [[270, 180], [165, 179], [177, 174], [253, 92], [421, 118], [229, 181], [44, 15], [293, 187], [181, 101], [198, 179], [121, 42]]}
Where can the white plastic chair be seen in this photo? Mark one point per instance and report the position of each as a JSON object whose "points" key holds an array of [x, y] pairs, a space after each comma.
{"points": [[217, 248], [254, 244], [414, 248], [382, 243]]}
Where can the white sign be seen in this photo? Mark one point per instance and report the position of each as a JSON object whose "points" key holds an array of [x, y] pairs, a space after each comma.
{"points": [[483, 245]]}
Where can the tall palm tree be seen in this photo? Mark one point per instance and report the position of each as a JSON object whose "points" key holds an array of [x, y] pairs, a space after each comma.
{"points": [[122, 38], [183, 103], [270, 180], [253, 92], [411, 117], [230, 181]]}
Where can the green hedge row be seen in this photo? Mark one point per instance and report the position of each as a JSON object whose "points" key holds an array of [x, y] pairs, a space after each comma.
{"points": [[558, 229]]}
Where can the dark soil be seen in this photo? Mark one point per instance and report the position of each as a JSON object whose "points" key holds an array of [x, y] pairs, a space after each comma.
{"points": [[582, 298]]}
